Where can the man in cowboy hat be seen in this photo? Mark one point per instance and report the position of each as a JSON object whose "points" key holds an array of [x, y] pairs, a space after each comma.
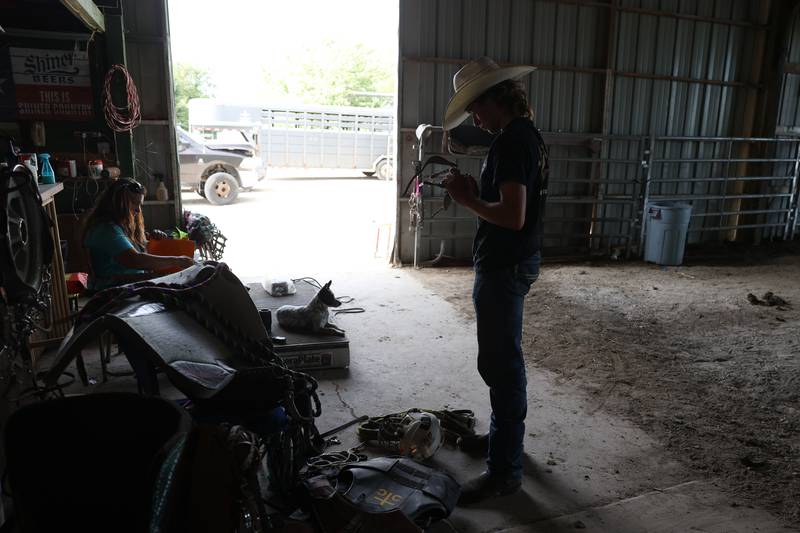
{"points": [[509, 203]]}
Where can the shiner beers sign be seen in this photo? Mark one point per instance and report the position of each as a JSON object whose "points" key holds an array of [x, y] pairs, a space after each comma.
{"points": [[52, 84]]}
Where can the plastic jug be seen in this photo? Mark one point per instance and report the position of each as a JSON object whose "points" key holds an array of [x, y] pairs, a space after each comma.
{"points": [[162, 194], [46, 174]]}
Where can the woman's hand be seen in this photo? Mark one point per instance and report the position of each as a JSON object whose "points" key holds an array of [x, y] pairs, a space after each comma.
{"points": [[184, 262], [155, 263], [157, 235], [462, 188]]}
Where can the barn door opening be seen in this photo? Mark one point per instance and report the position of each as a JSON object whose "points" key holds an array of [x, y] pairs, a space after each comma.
{"points": [[286, 129]]}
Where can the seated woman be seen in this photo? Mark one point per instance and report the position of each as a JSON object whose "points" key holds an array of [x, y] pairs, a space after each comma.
{"points": [[115, 237]]}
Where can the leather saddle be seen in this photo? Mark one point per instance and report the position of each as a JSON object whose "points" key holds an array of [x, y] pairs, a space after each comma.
{"points": [[200, 327]]}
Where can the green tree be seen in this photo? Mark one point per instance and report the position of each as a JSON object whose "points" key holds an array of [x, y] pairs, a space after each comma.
{"points": [[190, 82], [335, 74]]}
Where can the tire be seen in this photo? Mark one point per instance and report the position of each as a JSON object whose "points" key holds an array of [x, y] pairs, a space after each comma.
{"points": [[221, 188], [201, 191], [383, 170], [25, 242]]}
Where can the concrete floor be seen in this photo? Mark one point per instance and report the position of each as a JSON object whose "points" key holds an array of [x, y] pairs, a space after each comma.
{"points": [[292, 219], [583, 468]]}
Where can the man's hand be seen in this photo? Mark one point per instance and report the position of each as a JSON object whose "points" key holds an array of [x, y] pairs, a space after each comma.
{"points": [[462, 188]]}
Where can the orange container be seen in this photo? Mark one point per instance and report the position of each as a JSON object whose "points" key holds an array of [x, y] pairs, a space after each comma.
{"points": [[171, 247]]}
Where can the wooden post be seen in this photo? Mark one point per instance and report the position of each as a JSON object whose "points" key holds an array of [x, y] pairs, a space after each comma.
{"points": [[58, 315], [761, 107], [598, 172], [87, 12]]}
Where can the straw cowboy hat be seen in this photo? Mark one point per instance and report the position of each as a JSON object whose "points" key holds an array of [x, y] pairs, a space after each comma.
{"points": [[475, 78]]}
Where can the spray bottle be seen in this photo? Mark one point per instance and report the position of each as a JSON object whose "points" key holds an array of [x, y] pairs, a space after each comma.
{"points": [[47, 176]]}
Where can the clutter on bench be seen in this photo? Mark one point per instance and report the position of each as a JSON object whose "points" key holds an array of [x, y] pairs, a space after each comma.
{"points": [[202, 329], [301, 350]]}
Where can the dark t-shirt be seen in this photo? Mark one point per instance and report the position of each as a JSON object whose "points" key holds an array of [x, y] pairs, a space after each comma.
{"points": [[517, 155]]}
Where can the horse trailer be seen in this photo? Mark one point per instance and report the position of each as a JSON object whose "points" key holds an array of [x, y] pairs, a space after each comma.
{"points": [[305, 136]]}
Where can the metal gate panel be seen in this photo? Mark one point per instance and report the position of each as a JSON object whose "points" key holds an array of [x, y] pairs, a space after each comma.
{"points": [[597, 204], [733, 183]]}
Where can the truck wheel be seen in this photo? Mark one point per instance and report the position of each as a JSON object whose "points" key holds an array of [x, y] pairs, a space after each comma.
{"points": [[201, 191], [221, 188], [383, 170]]}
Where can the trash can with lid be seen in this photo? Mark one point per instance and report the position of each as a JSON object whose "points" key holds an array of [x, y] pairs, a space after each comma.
{"points": [[667, 224]]}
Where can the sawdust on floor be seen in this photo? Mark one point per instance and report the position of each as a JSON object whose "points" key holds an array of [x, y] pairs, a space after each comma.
{"points": [[684, 354]]}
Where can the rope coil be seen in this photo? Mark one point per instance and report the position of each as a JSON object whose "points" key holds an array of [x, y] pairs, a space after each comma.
{"points": [[386, 431], [121, 119]]}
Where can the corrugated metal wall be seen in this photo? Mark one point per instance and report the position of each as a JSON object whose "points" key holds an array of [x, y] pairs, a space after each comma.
{"points": [[609, 75], [147, 52], [685, 49]]}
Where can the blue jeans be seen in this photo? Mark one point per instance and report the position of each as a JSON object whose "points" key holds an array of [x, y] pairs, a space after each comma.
{"points": [[498, 296]]}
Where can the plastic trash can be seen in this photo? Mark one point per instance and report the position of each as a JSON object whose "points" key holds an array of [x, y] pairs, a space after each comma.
{"points": [[667, 224]]}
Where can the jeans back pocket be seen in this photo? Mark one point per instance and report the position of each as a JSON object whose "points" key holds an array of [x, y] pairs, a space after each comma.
{"points": [[526, 273]]}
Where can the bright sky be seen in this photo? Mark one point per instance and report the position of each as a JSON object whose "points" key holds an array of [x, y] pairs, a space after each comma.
{"points": [[236, 40]]}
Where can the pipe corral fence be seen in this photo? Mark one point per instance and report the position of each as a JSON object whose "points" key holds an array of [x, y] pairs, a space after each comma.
{"points": [[600, 186]]}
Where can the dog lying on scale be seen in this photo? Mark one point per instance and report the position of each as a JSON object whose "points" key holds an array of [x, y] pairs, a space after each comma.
{"points": [[312, 317]]}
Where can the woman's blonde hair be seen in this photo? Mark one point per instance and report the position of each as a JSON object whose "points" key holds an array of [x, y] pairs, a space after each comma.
{"points": [[117, 204]]}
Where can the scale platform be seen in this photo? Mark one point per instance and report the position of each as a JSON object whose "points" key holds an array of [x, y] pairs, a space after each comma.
{"points": [[302, 351]]}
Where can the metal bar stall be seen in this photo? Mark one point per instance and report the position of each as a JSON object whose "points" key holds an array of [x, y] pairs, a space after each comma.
{"points": [[579, 222], [772, 207]]}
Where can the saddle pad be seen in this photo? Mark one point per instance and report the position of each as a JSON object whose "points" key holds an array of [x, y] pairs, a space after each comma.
{"points": [[195, 360]]}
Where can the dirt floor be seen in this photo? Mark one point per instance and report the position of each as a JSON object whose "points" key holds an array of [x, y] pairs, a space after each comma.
{"points": [[684, 354]]}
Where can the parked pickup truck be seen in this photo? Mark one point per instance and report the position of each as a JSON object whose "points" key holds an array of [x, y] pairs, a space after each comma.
{"points": [[216, 173]]}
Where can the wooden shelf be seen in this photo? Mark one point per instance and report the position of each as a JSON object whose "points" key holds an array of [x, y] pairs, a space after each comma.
{"points": [[83, 179], [159, 202], [47, 191]]}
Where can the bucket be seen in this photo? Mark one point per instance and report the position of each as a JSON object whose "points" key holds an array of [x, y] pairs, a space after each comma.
{"points": [[171, 247]]}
